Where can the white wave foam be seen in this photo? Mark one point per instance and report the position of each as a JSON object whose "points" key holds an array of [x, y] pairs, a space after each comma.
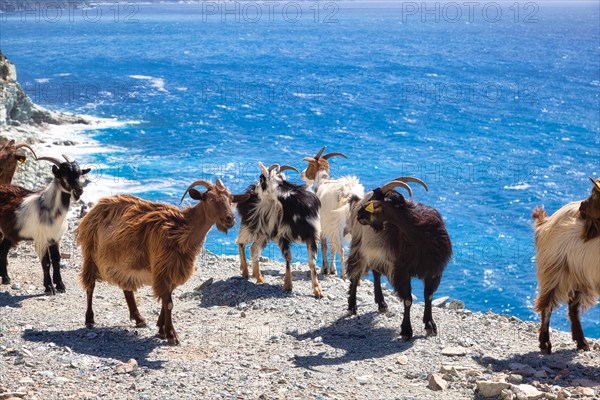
{"points": [[42, 80], [157, 83], [521, 186]]}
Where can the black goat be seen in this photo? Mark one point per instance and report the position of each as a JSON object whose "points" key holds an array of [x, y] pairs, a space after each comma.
{"points": [[400, 239], [281, 211]]}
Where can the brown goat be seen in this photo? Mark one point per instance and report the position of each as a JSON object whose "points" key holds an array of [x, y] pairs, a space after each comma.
{"points": [[9, 158], [130, 242], [568, 263]]}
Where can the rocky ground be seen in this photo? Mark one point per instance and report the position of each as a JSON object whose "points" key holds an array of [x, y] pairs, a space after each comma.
{"points": [[243, 340]]}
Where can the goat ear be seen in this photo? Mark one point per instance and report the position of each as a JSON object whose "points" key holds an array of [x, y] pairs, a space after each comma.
{"points": [[196, 195], [85, 171], [240, 198], [55, 170]]}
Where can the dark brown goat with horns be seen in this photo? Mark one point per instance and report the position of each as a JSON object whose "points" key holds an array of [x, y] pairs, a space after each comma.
{"points": [[130, 242], [400, 239]]}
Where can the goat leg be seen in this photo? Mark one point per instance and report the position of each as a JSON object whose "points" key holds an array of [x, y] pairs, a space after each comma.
{"points": [[167, 303], [324, 264], [284, 245], [134, 313], [576, 330], [311, 245], [403, 289], [243, 261], [47, 279], [55, 258], [352, 309], [431, 285], [545, 344], [161, 323], [383, 307], [4, 248], [342, 266], [89, 313], [255, 251]]}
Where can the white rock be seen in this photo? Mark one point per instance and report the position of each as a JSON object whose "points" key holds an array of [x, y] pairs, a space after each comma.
{"points": [[527, 392], [490, 388], [454, 351]]}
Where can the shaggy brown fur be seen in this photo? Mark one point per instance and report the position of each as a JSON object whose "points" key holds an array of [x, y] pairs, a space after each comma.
{"points": [[130, 242]]}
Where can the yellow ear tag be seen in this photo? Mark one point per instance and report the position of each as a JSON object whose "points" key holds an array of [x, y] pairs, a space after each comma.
{"points": [[22, 161], [597, 186], [369, 208]]}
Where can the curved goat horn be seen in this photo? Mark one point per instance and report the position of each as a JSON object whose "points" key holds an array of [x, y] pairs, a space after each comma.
{"points": [[288, 167], [411, 179], [67, 158], [202, 182], [308, 159], [391, 185], [219, 184], [328, 156], [320, 152], [263, 169], [53, 160], [8, 143], [23, 144], [274, 167]]}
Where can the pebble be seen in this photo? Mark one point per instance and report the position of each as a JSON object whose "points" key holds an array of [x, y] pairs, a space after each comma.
{"points": [[402, 360], [454, 351], [128, 367], [437, 383]]}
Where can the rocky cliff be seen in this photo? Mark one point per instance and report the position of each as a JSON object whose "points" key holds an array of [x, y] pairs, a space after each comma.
{"points": [[16, 108]]}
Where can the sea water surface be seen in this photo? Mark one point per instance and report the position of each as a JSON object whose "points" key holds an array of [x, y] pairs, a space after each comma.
{"points": [[496, 108]]}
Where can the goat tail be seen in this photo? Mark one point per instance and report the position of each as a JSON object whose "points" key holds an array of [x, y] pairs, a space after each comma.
{"points": [[539, 216]]}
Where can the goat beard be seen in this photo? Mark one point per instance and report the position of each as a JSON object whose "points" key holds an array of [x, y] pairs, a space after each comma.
{"points": [[221, 228]]}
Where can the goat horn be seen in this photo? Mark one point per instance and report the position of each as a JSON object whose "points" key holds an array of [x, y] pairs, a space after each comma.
{"points": [[411, 179], [390, 185], [23, 144], [8, 143], [286, 167], [202, 182], [274, 166], [319, 153], [67, 158], [328, 156], [308, 159], [263, 169], [51, 159], [596, 183], [220, 184]]}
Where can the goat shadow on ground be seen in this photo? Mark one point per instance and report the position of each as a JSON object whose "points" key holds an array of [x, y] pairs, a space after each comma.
{"points": [[118, 344], [357, 336], [236, 289], [557, 361], [13, 301]]}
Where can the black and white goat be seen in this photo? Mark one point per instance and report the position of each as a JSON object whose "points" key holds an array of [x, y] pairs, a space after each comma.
{"points": [[400, 239], [41, 217], [281, 211]]}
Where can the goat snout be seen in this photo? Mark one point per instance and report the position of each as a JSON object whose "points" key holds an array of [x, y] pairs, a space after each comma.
{"points": [[230, 220], [77, 192]]}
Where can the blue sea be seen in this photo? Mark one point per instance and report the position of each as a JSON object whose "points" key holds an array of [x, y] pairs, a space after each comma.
{"points": [[494, 105]]}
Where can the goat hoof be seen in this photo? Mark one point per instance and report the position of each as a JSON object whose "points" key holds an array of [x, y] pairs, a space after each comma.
{"points": [[141, 324], [5, 280], [431, 329], [161, 335], [405, 337], [406, 334], [173, 341], [260, 280], [383, 307], [90, 325], [60, 288], [352, 310], [546, 347], [50, 290], [583, 346]]}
